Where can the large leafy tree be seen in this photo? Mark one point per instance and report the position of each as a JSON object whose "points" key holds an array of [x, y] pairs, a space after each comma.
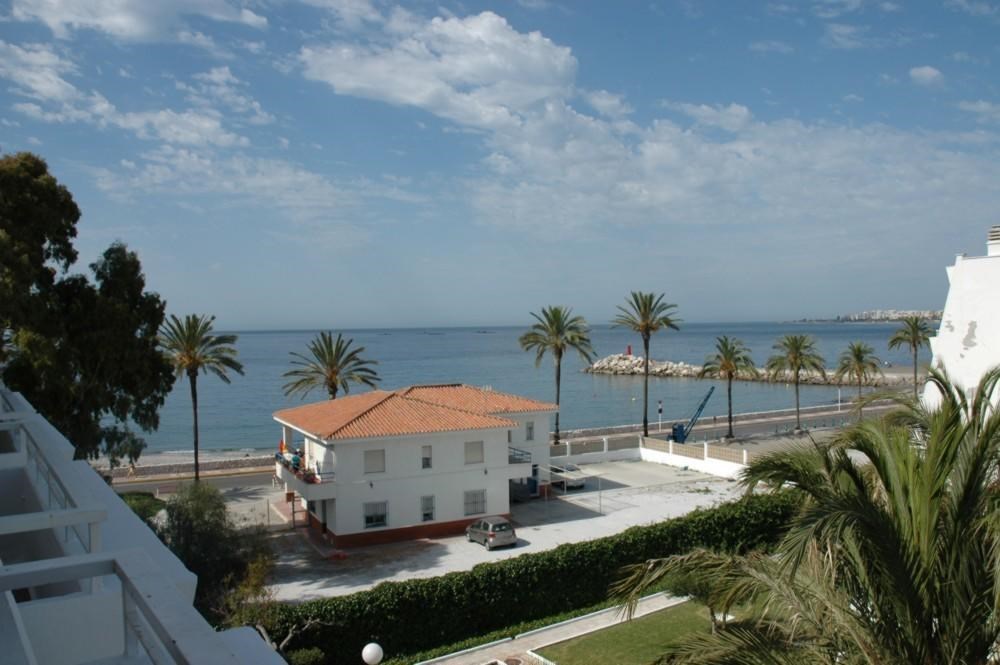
{"points": [[557, 331], [646, 313], [332, 365], [193, 349], [914, 333], [795, 354], [83, 352], [859, 362], [731, 359], [892, 558]]}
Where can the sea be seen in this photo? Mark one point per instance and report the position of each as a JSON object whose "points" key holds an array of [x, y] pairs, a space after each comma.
{"points": [[236, 417]]}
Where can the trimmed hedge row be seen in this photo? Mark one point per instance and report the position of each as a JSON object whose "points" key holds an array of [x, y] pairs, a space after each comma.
{"points": [[415, 615]]}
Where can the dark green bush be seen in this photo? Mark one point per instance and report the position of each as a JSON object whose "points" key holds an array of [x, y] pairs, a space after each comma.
{"points": [[407, 617], [310, 656]]}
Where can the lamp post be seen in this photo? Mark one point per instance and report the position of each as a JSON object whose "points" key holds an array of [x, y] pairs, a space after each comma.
{"points": [[372, 654], [659, 414]]}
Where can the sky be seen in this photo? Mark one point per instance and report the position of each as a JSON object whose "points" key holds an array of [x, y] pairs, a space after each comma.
{"points": [[358, 163]]}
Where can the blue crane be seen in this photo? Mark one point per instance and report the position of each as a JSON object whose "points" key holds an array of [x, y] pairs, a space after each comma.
{"points": [[680, 432]]}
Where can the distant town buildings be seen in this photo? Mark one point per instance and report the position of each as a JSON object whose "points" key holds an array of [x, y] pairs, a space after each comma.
{"points": [[891, 315]]}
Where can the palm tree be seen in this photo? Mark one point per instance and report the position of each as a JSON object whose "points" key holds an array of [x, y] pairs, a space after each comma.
{"points": [[859, 362], [731, 359], [914, 333], [557, 331], [646, 313], [891, 559], [192, 348], [796, 354], [333, 365]]}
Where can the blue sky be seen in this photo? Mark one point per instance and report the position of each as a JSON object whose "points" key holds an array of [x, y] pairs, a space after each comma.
{"points": [[355, 163]]}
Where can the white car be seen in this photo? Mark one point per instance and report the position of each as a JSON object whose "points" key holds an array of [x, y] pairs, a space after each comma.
{"points": [[559, 477]]}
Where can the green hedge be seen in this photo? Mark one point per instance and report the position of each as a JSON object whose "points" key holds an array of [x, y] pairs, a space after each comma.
{"points": [[412, 616]]}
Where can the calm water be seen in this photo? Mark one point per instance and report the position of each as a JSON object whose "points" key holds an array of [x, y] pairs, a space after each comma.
{"points": [[238, 415]]}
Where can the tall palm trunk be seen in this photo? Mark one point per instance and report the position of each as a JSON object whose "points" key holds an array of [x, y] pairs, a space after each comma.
{"points": [[798, 420], [860, 407], [558, 385], [645, 387], [193, 377], [915, 395], [729, 394]]}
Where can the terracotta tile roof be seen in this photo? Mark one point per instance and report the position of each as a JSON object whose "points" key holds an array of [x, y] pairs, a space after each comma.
{"points": [[479, 400], [414, 410]]}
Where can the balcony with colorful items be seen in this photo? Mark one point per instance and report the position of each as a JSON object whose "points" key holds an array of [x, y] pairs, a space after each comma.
{"points": [[312, 482]]}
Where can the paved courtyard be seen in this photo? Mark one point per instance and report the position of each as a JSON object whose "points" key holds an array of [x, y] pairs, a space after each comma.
{"points": [[617, 495]]}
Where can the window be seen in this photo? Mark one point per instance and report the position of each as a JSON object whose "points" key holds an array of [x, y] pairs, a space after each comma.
{"points": [[529, 431], [510, 436], [475, 502], [425, 457], [374, 461], [376, 514], [473, 452], [427, 508]]}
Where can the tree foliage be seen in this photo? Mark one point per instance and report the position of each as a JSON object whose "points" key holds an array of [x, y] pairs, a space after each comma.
{"points": [[332, 365], [83, 352], [193, 349], [914, 333], [859, 362], [556, 331], [795, 354], [646, 313], [199, 530], [730, 360], [892, 558]]}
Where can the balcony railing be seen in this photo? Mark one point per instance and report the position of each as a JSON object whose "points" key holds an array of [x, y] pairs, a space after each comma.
{"points": [[309, 475], [518, 456]]}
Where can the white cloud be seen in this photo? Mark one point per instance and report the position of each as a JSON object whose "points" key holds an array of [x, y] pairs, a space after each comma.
{"points": [[607, 103], [771, 46], [986, 112], [139, 20], [843, 36], [851, 97], [203, 41], [351, 13], [975, 7], [37, 71], [833, 8], [477, 71], [926, 75], [218, 87], [731, 118]]}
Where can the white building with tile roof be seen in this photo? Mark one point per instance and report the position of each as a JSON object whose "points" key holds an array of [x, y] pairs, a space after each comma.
{"points": [[418, 462]]}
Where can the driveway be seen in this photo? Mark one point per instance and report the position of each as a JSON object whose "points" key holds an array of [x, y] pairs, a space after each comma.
{"points": [[617, 495]]}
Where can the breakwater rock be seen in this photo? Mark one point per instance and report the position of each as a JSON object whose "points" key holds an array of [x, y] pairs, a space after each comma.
{"points": [[621, 363]]}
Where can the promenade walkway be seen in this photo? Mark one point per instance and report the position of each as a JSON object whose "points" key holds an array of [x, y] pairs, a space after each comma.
{"points": [[520, 645]]}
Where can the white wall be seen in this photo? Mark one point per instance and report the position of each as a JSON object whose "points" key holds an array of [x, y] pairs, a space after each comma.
{"points": [[62, 630], [405, 481], [539, 447], [967, 341]]}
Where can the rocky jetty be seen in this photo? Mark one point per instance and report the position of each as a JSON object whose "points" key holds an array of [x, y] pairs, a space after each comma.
{"points": [[621, 363]]}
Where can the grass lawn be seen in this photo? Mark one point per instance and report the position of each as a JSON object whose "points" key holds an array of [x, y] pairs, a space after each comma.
{"points": [[143, 504], [636, 642]]}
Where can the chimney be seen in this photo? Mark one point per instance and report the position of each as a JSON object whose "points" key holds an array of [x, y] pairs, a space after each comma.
{"points": [[993, 242]]}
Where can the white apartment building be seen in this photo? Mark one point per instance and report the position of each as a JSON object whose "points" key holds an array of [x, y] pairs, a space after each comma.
{"points": [[82, 578], [418, 462], [968, 340]]}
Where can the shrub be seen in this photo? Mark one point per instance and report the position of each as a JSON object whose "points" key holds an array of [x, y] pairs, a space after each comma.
{"points": [[144, 504], [199, 531], [415, 615], [310, 656]]}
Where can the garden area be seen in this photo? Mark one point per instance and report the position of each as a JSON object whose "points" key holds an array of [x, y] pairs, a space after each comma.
{"points": [[635, 642]]}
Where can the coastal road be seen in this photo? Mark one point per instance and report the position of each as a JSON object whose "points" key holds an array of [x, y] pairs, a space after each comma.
{"points": [[220, 482]]}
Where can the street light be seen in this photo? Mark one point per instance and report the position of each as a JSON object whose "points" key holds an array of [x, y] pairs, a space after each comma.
{"points": [[372, 654]]}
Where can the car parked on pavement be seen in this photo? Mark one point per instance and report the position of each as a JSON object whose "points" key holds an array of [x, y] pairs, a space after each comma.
{"points": [[491, 532], [560, 473]]}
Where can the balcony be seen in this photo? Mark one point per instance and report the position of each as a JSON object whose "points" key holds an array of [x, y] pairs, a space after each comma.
{"points": [[519, 463], [311, 484]]}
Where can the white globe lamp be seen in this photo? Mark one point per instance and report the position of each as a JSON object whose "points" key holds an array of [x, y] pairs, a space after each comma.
{"points": [[372, 654]]}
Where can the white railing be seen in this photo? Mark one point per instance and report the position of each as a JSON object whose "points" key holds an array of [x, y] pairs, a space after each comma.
{"points": [[157, 620]]}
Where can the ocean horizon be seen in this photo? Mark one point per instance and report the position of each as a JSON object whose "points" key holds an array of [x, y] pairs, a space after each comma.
{"points": [[237, 416]]}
